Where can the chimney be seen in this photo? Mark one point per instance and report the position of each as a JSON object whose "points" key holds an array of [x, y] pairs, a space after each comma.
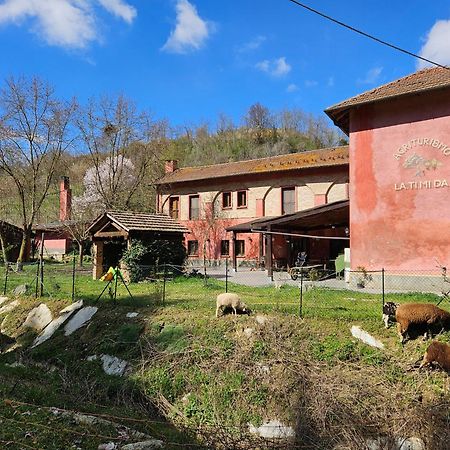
{"points": [[65, 199], [171, 166]]}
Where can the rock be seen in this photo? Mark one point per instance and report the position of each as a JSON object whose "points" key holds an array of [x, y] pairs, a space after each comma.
{"points": [[79, 319], [38, 318], [3, 299], [113, 365], [261, 319], [108, 446], [382, 443], [411, 443], [131, 315], [20, 290], [51, 328], [273, 429], [144, 445], [9, 307], [248, 332], [365, 337]]}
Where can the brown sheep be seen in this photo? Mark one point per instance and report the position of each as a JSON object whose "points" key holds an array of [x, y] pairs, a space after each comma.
{"points": [[437, 352], [413, 315]]}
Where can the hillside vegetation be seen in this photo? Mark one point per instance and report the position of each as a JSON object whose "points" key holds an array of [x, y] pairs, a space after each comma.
{"points": [[199, 381]]}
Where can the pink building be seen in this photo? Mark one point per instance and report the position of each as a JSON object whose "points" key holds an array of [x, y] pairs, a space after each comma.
{"points": [[221, 204], [399, 172]]}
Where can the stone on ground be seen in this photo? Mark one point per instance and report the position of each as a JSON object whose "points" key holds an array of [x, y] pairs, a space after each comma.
{"points": [[20, 290], [79, 319], [273, 429], [38, 318], [3, 299], [261, 319], [72, 307], [144, 445], [131, 315], [365, 337], [9, 307], [111, 364]]}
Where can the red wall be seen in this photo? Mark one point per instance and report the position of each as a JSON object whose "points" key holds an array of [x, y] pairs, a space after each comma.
{"points": [[394, 225]]}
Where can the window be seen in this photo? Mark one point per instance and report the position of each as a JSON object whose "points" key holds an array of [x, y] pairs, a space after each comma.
{"points": [[242, 199], [193, 248], [194, 207], [288, 200], [174, 207], [226, 200], [225, 248], [240, 248]]}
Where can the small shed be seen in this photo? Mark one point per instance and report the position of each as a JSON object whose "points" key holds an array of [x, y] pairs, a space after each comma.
{"points": [[113, 232]]}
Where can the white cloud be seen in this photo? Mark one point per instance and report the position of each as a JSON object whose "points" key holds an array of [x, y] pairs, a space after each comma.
{"points": [[120, 9], [277, 67], [436, 47], [372, 76], [190, 32], [311, 83], [64, 23], [292, 88], [252, 45]]}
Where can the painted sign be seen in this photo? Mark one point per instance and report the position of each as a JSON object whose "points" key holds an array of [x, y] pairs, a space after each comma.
{"points": [[419, 166]]}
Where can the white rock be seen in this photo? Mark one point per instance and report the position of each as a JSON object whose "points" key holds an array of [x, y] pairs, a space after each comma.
{"points": [[51, 328], [411, 443], [9, 307], [248, 332], [108, 446], [365, 337], [79, 319], [113, 365], [38, 318], [145, 445], [261, 319], [130, 315], [272, 429], [72, 307], [3, 299]]}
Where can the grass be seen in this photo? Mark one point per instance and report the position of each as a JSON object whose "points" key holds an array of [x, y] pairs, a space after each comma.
{"points": [[200, 379]]}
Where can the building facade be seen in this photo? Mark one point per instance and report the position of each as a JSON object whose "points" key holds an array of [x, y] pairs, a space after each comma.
{"points": [[400, 172], [210, 200]]}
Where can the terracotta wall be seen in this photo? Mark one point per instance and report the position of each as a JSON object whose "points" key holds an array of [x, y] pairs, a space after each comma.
{"points": [[399, 184]]}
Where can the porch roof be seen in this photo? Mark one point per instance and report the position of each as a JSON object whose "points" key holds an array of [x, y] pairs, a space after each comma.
{"points": [[323, 216], [246, 227]]}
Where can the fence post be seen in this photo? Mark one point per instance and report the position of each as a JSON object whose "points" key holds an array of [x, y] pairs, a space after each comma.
{"points": [[164, 285], [73, 277], [301, 295], [41, 261], [37, 278], [116, 276], [382, 284], [226, 274], [6, 279]]}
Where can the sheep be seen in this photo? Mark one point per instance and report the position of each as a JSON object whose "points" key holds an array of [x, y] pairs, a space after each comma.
{"points": [[437, 352], [389, 313], [230, 300], [413, 315]]}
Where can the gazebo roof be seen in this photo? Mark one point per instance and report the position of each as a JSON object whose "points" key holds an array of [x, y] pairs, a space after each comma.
{"points": [[136, 221]]}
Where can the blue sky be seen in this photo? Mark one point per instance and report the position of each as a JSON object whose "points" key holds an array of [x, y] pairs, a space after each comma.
{"points": [[188, 61]]}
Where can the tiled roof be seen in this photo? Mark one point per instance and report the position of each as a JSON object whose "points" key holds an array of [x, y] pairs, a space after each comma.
{"points": [[316, 158], [422, 81], [134, 221]]}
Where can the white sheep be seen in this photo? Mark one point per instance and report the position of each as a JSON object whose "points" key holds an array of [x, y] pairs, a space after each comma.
{"points": [[230, 300]]}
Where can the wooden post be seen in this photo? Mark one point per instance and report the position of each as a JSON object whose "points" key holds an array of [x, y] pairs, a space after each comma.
{"points": [[97, 268]]}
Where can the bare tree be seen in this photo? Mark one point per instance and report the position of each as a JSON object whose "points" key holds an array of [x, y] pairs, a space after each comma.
{"points": [[34, 133], [124, 147], [259, 121]]}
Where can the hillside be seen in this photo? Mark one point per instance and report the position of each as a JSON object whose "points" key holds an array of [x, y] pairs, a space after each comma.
{"points": [[197, 381]]}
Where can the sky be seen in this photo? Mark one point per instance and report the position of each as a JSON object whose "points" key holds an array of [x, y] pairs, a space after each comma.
{"points": [[190, 60]]}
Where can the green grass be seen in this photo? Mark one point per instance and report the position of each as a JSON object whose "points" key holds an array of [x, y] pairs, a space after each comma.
{"points": [[192, 371]]}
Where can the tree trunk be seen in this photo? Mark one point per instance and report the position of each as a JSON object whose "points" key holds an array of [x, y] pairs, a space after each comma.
{"points": [[80, 253], [24, 252]]}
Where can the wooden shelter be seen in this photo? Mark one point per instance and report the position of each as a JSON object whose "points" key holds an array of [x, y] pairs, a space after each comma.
{"points": [[113, 232]]}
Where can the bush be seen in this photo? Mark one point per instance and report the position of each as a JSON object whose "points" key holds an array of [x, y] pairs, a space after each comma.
{"points": [[156, 252]]}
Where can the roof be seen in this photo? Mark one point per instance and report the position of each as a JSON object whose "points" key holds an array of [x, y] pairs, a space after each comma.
{"points": [[422, 81], [303, 160], [323, 216], [135, 221], [58, 225], [248, 226]]}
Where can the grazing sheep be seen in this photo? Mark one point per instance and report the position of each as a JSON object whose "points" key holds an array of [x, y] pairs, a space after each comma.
{"points": [[389, 309], [437, 352], [230, 300], [413, 315]]}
